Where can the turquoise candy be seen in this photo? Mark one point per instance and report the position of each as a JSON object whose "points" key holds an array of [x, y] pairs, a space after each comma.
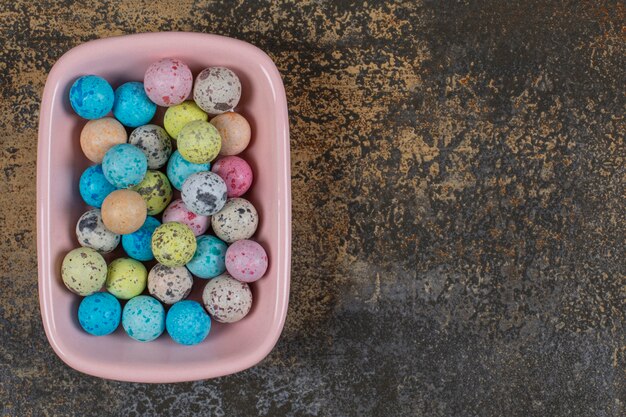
{"points": [[94, 187], [187, 323], [91, 97], [143, 318], [99, 314], [138, 245], [124, 165], [132, 107], [209, 259]]}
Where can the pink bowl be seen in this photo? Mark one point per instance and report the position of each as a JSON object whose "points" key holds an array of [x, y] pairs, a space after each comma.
{"points": [[229, 348]]}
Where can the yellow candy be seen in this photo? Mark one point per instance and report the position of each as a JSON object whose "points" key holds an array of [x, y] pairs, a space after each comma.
{"points": [[126, 278], [176, 117], [156, 191], [173, 244], [199, 142]]}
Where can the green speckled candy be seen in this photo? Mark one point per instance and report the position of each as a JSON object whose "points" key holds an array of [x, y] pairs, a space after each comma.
{"points": [[156, 191], [173, 244], [84, 271], [126, 278], [199, 142], [176, 117]]}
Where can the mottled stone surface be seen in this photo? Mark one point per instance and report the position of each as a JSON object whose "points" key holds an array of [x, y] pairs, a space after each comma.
{"points": [[463, 162]]}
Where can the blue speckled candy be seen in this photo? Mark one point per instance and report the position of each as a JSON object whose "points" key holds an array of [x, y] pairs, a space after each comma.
{"points": [[138, 245], [187, 323], [143, 318], [178, 169], [94, 187], [99, 313], [91, 97], [124, 165], [132, 107], [209, 259]]}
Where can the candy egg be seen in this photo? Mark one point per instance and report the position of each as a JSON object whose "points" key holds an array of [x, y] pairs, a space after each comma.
{"points": [[208, 260], [187, 323], [236, 221], [169, 284], [132, 107], [123, 211], [176, 117], [91, 97], [94, 187], [92, 233], [204, 193], [226, 299], [177, 211], [217, 90], [143, 318], [126, 278], [173, 244], [154, 142], [178, 169], [168, 82], [155, 190], [236, 173], [99, 314], [138, 245], [83, 271], [199, 142], [235, 132], [98, 136], [124, 165], [246, 260]]}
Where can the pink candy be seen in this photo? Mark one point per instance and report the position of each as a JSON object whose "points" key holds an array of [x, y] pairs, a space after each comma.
{"points": [[168, 82], [236, 173], [246, 260], [177, 211]]}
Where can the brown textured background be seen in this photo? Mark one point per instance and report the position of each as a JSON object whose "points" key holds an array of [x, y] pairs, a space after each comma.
{"points": [[458, 203]]}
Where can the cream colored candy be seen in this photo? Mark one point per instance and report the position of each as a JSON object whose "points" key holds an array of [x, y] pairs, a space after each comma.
{"points": [[99, 135], [124, 211], [235, 132], [84, 271]]}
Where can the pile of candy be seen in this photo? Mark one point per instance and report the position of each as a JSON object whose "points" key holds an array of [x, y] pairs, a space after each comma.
{"points": [[131, 184]]}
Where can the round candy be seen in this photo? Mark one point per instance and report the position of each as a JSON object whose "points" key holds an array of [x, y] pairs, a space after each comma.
{"points": [[246, 260], [91, 97], [235, 132], [99, 314], [178, 169], [173, 244], [156, 190], [187, 323], [217, 90], [138, 245], [126, 278], [124, 211], [176, 117], [168, 82], [154, 142], [83, 271], [94, 187], [124, 165], [143, 318], [199, 142], [236, 221], [226, 299], [236, 173], [169, 284], [132, 107], [177, 211], [92, 233], [98, 136], [204, 193], [208, 261]]}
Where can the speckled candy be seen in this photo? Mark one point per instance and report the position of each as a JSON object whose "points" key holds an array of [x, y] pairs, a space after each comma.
{"points": [[168, 82], [187, 323], [99, 314], [235, 132], [138, 245], [246, 260], [132, 107], [173, 244], [154, 142], [91, 232], [236, 173], [199, 142], [124, 165], [91, 97], [156, 191], [83, 271], [177, 211], [143, 318], [208, 261], [204, 193], [124, 211], [94, 187], [236, 221], [98, 136], [169, 284], [226, 299], [217, 90], [178, 169], [126, 278], [176, 117]]}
